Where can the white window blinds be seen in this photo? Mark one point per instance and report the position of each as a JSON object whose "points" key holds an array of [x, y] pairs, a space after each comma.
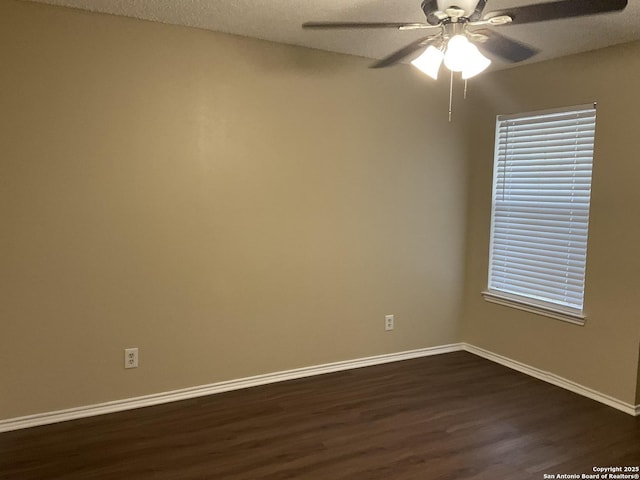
{"points": [[541, 194]]}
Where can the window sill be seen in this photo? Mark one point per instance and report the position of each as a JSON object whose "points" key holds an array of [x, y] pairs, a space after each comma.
{"points": [[532, 306]]}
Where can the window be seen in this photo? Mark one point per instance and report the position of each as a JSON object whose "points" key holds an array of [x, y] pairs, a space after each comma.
{"points": [[540, 211]]}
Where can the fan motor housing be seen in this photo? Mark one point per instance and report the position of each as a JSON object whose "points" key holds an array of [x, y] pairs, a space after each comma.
{"points": [[434, 9]]}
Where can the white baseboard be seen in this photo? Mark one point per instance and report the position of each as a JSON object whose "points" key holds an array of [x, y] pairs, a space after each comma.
{"points": [[219, 387], [554, 380]]}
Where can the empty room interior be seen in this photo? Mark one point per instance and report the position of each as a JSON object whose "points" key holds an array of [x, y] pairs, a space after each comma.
{"points": [[232, 250]]}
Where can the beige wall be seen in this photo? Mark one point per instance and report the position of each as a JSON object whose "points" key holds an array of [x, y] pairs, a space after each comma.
{"points": [[229, 206], [638, 379], [603, 354]]}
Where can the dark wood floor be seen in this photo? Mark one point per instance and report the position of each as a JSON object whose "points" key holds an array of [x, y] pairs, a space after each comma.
{"points": [[453, 416]]}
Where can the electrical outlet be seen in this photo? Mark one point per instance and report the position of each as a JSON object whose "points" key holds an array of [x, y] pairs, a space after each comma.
{"points": [[388, 322], [131, 357]]}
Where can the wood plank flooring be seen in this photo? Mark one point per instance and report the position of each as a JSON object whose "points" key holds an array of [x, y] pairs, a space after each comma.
{"points": [[453, 416]]}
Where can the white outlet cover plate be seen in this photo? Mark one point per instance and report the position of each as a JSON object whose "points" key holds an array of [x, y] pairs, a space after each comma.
{"points": [[130, 358]]}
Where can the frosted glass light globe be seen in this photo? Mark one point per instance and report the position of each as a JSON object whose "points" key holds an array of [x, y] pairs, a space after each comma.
{"points": [[475, 63], [458, 49], [429, 62]]}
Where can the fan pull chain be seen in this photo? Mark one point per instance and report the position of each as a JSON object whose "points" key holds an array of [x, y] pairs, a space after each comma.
{"points": [[465, 88], [450, 96]]}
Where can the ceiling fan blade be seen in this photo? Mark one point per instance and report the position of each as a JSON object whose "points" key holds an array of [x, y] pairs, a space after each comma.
{"points": [[504, 47], [561, 9], [477, 13], [404, 52], [338, 25]]}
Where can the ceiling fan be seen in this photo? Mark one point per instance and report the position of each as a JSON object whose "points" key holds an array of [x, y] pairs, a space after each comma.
{"points": [[464, 31]]}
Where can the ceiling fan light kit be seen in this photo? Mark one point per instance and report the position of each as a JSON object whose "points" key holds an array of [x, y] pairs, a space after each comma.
{"points": [[463, 56], [459, 45], [458, 55]]}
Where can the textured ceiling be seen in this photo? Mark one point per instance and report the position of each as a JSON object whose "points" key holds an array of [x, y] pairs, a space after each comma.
{"points": [[280, 21]]}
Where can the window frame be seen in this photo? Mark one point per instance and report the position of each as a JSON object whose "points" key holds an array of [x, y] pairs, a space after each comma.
{"points": [[523, 302]]}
